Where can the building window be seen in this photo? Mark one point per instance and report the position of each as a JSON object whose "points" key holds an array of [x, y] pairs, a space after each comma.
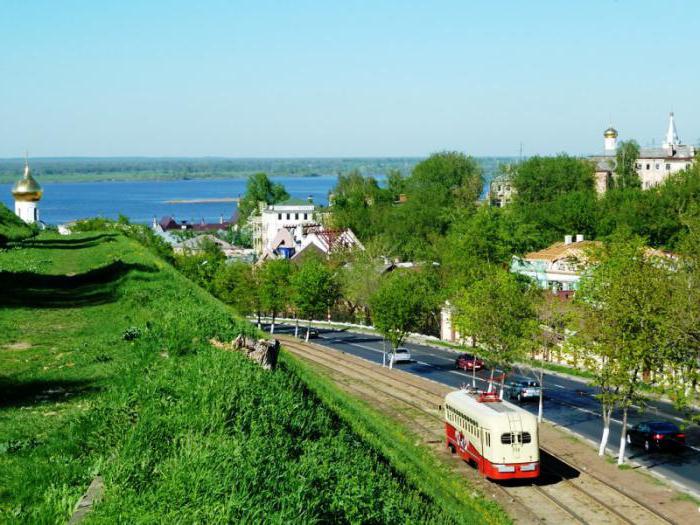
{"points": [[279, 216], [296, 216], [305, 217], [648, 166], [638, 166], [657, 166], [288, 216], [668, 166]]}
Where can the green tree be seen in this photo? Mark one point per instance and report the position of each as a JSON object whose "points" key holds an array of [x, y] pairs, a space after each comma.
{"points": [[491, 236], [358, 202], [315, 290], [441, 189], [201, 264], [395, 183], [543, 179], [625, 300], [447, 178], [555, 195], [359, 278], [259, 188], [235, 286], [274, 287], [400, 305], [685, 312], [626, 176], [498, 311]]}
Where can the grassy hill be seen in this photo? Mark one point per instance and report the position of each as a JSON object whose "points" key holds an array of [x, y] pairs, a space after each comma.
{"points": [[12, 228], [105, 368]]}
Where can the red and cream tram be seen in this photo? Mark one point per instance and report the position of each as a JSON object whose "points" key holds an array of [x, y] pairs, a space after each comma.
{"points": [[497, 436]]}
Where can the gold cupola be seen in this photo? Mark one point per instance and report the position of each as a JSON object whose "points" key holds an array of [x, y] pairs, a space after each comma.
{"points": [[610, 133], [27, 188]]}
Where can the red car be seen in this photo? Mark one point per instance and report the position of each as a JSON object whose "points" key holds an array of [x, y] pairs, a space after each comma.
{"points": [[469, 362]]}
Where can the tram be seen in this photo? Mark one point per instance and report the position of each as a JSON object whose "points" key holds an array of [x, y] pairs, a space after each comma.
{"points": [[498, 437]]}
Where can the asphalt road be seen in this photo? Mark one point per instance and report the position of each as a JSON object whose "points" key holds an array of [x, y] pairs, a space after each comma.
{"points": [[569, 402]]}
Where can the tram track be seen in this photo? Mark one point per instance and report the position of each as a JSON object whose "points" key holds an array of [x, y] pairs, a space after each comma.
{"points": [[569, 499]]}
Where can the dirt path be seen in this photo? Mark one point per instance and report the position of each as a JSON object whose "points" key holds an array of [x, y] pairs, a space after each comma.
{"points": [[576, 486]]}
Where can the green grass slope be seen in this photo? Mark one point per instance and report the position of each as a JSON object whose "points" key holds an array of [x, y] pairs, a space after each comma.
{"points": [[105, 368], [12, 228]]}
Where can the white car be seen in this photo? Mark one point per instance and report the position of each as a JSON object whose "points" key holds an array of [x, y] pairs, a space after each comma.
{"points": [[402, 355]]}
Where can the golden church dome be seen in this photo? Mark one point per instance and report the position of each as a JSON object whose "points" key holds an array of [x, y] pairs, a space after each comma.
{"points": [[27, 188], [610, 133]]}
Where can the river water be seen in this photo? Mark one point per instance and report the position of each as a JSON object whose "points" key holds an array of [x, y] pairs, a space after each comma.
{"points": [[142, 200]]}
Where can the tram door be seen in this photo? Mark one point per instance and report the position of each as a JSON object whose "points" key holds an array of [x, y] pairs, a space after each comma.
{"points": [[485, 448]]}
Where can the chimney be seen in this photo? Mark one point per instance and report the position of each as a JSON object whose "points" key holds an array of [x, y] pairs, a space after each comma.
{"points": [[568, 239], [579, 237]]}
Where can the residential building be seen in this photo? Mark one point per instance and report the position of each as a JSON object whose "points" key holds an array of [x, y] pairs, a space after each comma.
{"points": [[654, 164], [558, 267], [501, 191], [299, 242], [168, 223], [274, 217]]}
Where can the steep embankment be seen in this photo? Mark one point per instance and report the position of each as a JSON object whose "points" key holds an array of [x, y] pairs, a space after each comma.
{"points": [[105, 368], [12, 228]]}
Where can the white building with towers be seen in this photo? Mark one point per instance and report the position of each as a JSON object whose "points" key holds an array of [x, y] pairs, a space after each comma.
{"points": [[27, 193], [654, 164]]}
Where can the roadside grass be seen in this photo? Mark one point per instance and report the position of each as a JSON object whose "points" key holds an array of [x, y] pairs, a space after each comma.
{"points": [[116, 377], [683, 496], [391, 439]]}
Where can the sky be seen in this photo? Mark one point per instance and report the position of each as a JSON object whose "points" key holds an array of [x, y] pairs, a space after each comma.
{"points": [[353, 78]]}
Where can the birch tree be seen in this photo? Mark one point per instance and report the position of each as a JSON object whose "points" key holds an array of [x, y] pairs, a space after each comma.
{"points": [[499, 312], [315, 290], [274, 287], [400, 305], [626, 299]]}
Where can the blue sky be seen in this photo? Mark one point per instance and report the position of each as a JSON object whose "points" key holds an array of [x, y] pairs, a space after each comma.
{"points": [[351, 78]]}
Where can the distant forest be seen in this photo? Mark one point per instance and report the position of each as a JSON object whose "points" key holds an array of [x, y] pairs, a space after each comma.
{"points": [[87, 169]]}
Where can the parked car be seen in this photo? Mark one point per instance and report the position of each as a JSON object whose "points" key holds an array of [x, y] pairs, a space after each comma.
{"points": [[468, 362], [402, 355], [523, 389], [656, 435]]}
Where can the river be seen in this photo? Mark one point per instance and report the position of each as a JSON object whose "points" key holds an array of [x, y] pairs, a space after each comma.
{"points": [[140, 201]]}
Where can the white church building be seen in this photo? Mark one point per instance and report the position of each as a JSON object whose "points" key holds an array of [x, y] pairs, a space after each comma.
{"points": [[654, 164], [27, 193]]}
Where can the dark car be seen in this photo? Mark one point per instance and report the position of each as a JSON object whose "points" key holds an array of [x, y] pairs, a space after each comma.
{"points": [[468, 362], [313, 333], [523, 389], [656, 435]]}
